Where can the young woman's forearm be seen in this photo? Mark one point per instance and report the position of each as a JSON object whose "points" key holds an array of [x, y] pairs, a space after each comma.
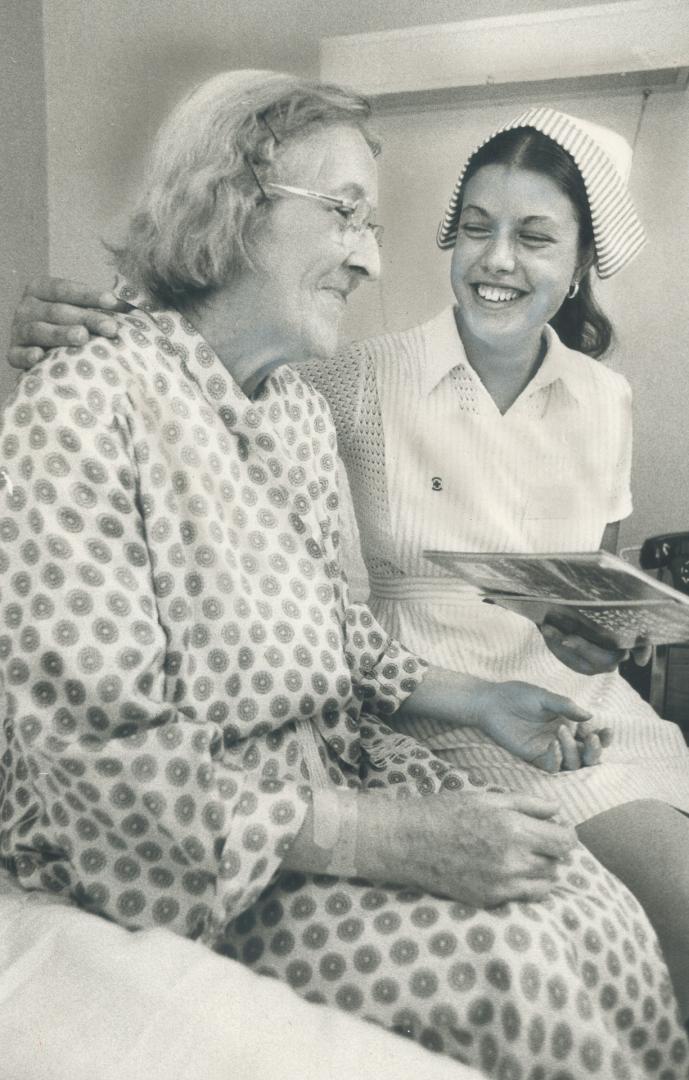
{"points": [[445, 695]]}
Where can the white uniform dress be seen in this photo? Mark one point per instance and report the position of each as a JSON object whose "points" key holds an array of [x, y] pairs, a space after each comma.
{"points": [[432, 463]]}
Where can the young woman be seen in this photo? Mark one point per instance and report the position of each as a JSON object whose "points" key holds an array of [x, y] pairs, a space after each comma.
{"points": [[520, 440]]}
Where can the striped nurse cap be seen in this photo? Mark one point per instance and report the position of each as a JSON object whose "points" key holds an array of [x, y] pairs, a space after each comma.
{"points": [[604, 160]]}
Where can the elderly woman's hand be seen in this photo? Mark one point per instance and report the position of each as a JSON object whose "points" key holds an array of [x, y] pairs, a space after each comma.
{"points": [[54, 312], [587, 658], [480, 848]]}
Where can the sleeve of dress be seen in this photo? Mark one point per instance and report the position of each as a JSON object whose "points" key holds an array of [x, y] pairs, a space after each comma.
{"points": [[114, 792], [384, 672], [621, 493]]}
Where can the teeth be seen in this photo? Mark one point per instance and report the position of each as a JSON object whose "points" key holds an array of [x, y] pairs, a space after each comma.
{"points": [[492, 292]]}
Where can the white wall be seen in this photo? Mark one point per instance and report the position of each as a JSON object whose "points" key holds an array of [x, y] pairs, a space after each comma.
{"points": [[23, 179], [112, 70]]}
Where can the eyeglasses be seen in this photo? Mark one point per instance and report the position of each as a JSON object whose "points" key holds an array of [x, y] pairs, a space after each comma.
{"points": [[354, 217]]}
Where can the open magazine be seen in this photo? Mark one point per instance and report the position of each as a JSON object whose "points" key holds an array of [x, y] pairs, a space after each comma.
{"points": [[594, 594]]}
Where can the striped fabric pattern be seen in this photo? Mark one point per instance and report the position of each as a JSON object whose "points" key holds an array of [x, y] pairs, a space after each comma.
{"points": [[546, 476], [617, 231]]}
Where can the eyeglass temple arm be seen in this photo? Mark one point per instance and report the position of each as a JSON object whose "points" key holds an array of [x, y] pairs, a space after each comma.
{"points": [[307, 194]]}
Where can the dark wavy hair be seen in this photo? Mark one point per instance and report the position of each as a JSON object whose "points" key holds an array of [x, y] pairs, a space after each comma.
{"points": [[580, 324]]}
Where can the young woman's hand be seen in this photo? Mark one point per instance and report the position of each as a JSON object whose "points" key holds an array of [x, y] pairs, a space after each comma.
{"points": [[54, 312], [545, 729], [588, 659]]}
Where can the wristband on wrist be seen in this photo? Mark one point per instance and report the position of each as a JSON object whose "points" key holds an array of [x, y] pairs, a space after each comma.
{"points": [[335, 826], [335, 810]]}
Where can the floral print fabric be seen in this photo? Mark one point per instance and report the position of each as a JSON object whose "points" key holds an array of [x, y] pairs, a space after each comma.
{"points": [[171, 605]]}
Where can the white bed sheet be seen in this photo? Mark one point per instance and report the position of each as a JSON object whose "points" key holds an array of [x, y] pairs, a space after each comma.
{"points": [[83, 999]]}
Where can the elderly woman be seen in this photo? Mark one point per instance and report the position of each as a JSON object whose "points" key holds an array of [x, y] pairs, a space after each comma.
{"points": [[195, 709]]}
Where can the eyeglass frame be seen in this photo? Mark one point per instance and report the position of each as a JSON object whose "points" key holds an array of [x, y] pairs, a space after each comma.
{"points": [[346, 208]]}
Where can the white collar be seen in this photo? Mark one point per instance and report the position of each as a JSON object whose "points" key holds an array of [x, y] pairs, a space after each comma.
{"points": [[444, 352], [560, 363]]}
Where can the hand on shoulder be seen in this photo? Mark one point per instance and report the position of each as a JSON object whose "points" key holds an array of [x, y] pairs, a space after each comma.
{"points": [[54, 313]]}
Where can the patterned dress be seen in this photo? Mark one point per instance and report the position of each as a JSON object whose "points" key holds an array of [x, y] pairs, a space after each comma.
{"points": [[172, 614], [452, 472]]}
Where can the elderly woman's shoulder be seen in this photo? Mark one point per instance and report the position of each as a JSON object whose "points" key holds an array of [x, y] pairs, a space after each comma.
{"points": [[138, 349], [98, 375]]}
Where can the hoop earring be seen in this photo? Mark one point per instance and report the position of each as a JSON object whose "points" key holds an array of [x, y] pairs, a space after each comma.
{"points": [[573, 290]]}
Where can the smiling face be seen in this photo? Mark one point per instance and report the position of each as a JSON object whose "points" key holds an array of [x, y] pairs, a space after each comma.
{"points": [[516, 254], [305, 265]]}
